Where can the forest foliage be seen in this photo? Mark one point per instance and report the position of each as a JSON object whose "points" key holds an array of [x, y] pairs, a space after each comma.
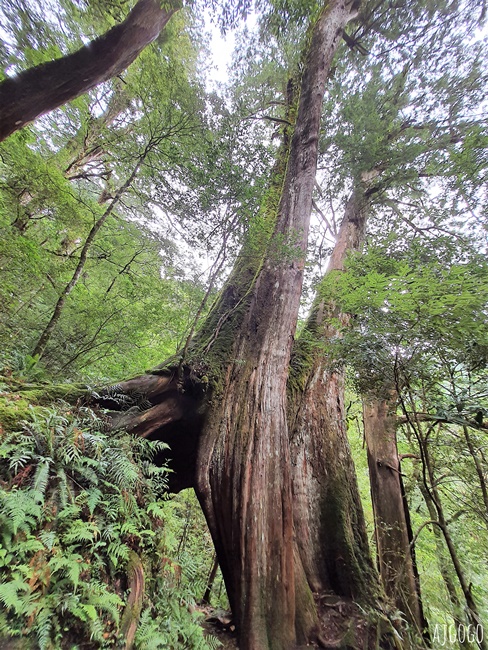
{"points": [[120, 216]]}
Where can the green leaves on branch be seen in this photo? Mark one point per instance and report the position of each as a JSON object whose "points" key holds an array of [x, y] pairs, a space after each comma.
{"points": [[411, 310]]}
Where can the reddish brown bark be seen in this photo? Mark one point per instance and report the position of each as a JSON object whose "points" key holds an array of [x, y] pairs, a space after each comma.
{"points": [[329, 523], [243, 458], [392, 522], [39, 90], [243, 466]]}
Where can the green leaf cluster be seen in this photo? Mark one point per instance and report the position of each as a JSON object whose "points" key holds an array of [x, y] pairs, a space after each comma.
{"points": [[75, 503], [411, 310]]}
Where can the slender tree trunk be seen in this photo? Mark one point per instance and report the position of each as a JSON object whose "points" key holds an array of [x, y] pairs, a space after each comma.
{"points": [[86, 147], [471, 607], [43, 340], [392, 522], [42, 89], [445, 569], [475, 456], [211, 580], [431, 488], [479, 472]]}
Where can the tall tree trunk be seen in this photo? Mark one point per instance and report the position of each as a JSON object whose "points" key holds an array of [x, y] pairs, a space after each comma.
{"points": [[329, 522], [43, 88], [244, 470], [243, 467], [392, 521]]}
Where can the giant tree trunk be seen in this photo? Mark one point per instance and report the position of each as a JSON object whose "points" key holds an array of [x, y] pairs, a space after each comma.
{"points": [[43, 88], [392, 522], [239, 439], [329, 522], [243, 466]]}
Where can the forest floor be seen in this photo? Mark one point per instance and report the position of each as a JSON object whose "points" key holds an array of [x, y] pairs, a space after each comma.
{"points": [[343, 626]]}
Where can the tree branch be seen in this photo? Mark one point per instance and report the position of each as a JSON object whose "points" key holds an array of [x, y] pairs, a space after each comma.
{"points": [[43, 88]]}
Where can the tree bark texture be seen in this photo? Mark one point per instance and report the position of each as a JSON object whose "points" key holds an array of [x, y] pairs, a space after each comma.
{"points": [[132, 612], [392, 523], [243, 466], [329, 522], [43, 88]]}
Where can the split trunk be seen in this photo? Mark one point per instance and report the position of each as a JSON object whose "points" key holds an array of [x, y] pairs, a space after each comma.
{"points": [[230, 438]]}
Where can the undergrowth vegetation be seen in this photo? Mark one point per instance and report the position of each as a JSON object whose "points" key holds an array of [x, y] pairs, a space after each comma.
{"points": [[80, 509]]}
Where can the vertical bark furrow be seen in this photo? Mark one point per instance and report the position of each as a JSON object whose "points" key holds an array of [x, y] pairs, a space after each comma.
{"points": [[244, 454]]}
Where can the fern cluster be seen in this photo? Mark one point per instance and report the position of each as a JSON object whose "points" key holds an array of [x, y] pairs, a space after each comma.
{"points": [[75, 504]]}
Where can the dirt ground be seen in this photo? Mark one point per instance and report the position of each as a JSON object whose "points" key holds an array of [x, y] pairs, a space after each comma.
{"points": [[343, 626]]}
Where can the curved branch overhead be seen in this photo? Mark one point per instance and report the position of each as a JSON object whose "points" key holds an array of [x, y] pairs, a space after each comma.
{"points": [[43, 88]]}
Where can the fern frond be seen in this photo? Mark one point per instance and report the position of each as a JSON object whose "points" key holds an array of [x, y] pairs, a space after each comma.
{"points": [[22, 510], [156, 510], [41, 477], [68, 565], [48, 538], [119, 468], [44, 627], [106, 601], [81, 531], [19, 459], [92, 498], [64, 493], [117, 551], [70, 511], [13, 595]]}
